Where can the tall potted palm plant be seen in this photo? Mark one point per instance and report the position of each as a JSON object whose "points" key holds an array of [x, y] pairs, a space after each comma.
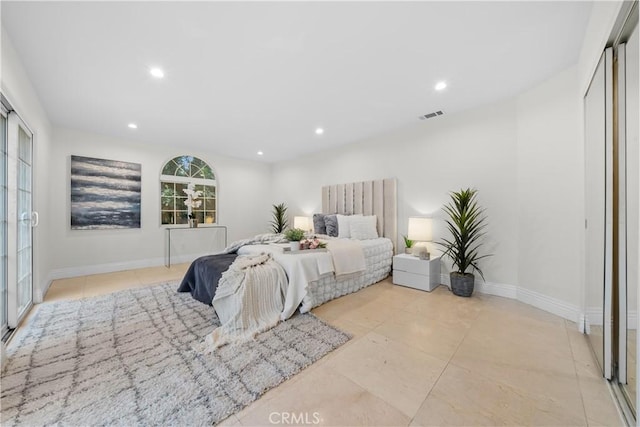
{"points": [[466, 223], [279, 223]]}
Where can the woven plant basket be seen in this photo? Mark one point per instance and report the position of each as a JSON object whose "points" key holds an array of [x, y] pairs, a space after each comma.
{"points": [[462, 284]]}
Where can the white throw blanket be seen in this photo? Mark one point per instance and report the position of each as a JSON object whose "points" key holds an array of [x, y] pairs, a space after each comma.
{"points": [[249, 300], [260, 239], [302, 268], [348, 256]]}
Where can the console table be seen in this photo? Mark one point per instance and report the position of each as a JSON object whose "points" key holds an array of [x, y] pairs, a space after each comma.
{"points": [[200, 229]]}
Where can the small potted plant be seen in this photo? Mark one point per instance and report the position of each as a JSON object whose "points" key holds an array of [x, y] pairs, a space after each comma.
{"points": [[294, 235], [466, 223], [408, 243]]}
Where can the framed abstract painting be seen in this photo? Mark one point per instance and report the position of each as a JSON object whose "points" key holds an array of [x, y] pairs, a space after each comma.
{"points": [[105, 194]]}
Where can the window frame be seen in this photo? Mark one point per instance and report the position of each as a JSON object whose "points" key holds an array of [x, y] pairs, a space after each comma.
{"points": [[178, 179]]}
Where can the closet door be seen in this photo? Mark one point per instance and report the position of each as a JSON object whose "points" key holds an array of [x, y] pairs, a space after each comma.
{"points": [[598, 106], [629, 212]]}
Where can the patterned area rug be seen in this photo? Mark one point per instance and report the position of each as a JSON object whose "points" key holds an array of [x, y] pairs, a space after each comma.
{"points": [[127, 359]]}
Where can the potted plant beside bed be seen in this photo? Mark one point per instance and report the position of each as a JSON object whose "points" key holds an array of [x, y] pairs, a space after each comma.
{"points": [[466, 223], [294, 235]]}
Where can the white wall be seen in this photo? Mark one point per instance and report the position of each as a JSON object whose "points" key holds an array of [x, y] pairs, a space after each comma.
{"points": [[16, 87], [524, 157], [550, 177], [243, 204], [475, 148]]}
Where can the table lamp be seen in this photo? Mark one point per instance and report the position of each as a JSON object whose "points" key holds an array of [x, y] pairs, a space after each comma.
{"points": [[420, 231], [302, 222]]}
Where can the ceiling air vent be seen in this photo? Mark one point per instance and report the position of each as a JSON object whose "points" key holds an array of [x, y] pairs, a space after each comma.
{"points": [[430, 115]]}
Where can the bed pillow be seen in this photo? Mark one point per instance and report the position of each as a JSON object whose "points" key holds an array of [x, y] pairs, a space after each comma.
{"points": [[344, 229], [363, 227], [331, 224], [319, 227], [344, 225]]}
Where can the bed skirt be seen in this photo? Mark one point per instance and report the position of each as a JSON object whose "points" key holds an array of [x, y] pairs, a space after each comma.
{"points": [[378, 259]]}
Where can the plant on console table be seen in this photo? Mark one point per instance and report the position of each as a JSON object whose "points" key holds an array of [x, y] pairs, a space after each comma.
{"points": [[192, 203], [294, 235], [466, 223]]}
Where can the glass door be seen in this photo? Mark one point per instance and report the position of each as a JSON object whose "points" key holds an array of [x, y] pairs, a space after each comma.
{"points": [[598, 108], [21, 220], [25, 212], [4, 326]]}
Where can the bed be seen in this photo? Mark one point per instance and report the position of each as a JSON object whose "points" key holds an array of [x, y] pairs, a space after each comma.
{"points": [[310, 286], [312, 280]]}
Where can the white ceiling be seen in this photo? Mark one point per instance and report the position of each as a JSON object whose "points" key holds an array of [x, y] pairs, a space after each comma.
{"points": [[243, 77]]}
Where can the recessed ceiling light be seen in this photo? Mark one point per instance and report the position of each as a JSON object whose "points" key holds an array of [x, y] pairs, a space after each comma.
{"points": [[441, 85], [319, 131], [260, 153], [133, 126], [157, 72]]}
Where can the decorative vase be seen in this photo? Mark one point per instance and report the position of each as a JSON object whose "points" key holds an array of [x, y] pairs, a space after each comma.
{"points": [[295, 246], [408, 251], [193, 223], [462, 284]]}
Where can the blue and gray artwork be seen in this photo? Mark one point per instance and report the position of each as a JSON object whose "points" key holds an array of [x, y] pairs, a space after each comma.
{"points": [[105, 194]]}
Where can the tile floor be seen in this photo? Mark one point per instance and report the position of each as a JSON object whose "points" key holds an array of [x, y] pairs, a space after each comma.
{"points": [[422, 359]]}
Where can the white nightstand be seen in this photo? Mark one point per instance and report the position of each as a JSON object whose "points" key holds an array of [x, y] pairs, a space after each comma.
{"points": [[411, 271]]}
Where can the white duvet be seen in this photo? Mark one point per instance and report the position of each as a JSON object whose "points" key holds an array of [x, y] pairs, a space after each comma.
{"points": [[304, 267]]}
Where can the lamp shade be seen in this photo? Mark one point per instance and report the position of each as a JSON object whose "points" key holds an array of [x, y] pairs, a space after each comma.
{"points": [[419, 229], [301, 222]]}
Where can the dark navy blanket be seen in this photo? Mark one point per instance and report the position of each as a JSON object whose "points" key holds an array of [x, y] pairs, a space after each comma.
{"points": [[203, 276]]}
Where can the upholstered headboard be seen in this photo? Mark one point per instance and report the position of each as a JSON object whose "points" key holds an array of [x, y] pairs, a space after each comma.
{"points": [[368, 198]]}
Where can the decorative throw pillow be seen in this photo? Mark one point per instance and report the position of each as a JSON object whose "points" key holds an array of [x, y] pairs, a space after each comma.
{"points": [[319, 227], [331, 223], [363, 227]]}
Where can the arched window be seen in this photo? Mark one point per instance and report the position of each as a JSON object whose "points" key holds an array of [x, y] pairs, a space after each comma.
{"points": [[176, 175]]}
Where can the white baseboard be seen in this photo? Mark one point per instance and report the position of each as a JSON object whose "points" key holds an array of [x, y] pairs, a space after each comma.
{"points": [[552, 305], [582, 322], [497, 289], [86, 270], [536, 299]]}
